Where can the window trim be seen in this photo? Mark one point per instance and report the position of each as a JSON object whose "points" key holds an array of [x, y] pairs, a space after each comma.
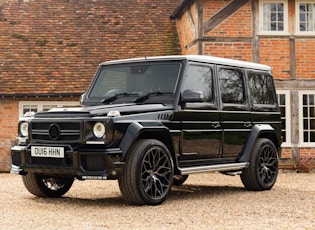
{"points": [[286, 93], [286, 19], [297, 18], [301, 129], [40, 104]]}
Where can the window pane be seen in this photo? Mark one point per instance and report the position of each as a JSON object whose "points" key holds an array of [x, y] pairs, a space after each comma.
{"points": [[273, 16], [305, 124], [30, 108], [281, 99], [307, 17], [311, 99], [260, 87], [305, 138], [199, 78], [231, 86], [282, 105], [308, 117], [305, 101], [305, 112]]}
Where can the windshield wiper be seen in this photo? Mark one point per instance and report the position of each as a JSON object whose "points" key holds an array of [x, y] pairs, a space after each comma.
{"points": [[115, 97], [147, 96]]}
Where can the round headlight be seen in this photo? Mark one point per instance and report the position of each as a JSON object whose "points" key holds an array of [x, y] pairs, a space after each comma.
{"points": [[24, 129], [99, 130]]}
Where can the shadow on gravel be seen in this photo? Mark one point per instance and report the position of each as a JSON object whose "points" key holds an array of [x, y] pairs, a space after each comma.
{"points": [[183, 192], [187, 191]]}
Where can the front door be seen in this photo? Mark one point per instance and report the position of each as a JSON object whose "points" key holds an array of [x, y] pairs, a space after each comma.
{"points": [[201, 131]]}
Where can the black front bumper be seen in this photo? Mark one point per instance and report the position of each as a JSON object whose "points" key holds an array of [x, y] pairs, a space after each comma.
{"points": [[80, 163]]}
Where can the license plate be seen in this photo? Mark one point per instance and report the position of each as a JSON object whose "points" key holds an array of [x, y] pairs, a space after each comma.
{"points": [[45, 151]]}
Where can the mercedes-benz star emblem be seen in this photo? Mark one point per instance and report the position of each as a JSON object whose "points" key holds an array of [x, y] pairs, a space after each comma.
{"points": [[54, 131]]}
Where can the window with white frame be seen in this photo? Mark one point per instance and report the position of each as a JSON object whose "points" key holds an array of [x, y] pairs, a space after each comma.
{"points": [[284, 104], [307, 118], [273, 17], [305, 14], [37, 106]]}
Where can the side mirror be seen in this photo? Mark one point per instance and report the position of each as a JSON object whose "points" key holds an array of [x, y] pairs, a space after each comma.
{"points": [[193, 96]]}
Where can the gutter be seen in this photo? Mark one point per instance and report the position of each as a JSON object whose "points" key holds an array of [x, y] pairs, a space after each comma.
{"points": [[48, 95]]}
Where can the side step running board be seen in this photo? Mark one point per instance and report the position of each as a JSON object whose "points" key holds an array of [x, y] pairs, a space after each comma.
{"points": [[209, 168]]}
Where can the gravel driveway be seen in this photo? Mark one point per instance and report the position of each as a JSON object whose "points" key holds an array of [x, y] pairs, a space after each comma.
{"points": [[205, 201]]}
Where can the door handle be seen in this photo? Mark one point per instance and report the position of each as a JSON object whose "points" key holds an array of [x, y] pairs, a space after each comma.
{"points": [[215, 124]]}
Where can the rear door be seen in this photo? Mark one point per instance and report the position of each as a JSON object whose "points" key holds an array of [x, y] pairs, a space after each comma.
{"points": [[235, 115]]}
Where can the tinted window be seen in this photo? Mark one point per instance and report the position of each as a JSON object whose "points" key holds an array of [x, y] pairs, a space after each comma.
{"points": [[261, 89], [138, 79], [199, 78], [231, 86]]}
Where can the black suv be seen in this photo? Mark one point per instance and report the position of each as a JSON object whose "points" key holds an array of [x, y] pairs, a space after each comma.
{"points": [[150, 122]]}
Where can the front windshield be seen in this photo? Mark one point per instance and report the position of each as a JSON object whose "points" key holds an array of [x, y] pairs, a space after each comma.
{"points": [[135, 80]]}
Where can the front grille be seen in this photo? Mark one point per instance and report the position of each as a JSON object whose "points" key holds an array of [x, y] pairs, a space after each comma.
{"points": [[55, 131]]}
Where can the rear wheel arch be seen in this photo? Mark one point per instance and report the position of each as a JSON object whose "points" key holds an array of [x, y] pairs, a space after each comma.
{"points": [[257, 132]]}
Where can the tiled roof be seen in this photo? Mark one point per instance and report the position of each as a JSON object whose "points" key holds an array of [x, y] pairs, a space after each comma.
{"points": [[55, 46]]}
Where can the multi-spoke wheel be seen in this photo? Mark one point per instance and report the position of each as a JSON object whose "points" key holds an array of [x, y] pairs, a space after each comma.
{"points": [[263, 169], [147, 175], [46, 186]]}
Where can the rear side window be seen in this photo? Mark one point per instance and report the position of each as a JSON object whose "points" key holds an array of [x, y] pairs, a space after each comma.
{"points": [[261, 89], [231, 86]]}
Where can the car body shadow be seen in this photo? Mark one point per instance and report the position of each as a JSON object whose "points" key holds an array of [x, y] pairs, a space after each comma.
{"points": [[182, 193]]}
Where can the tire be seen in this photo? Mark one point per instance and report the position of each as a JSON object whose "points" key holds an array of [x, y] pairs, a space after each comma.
{"points": [[147, 175], [263, 168], [46, 186], [179, 179]]}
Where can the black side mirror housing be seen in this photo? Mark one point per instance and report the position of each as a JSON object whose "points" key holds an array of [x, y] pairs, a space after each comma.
{"points": [[193, 96]]}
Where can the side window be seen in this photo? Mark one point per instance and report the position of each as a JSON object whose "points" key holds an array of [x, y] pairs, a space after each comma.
{"points": [[261, 89], [231, 83], [200, 78]]}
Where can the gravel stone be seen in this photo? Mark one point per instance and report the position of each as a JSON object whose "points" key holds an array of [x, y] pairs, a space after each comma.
{"points": [[205, 201]]}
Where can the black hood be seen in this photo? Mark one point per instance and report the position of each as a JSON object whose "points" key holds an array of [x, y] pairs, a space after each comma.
{"points": [[102, 110]]}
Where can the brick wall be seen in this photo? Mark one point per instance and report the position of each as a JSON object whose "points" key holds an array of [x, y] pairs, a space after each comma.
{"points": [[238, 25], [234, 50], [8, 124], [305, 58], [276, 53]]}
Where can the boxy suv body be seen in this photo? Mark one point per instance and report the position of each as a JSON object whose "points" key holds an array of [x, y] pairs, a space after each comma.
{"points": [[150, 122]]}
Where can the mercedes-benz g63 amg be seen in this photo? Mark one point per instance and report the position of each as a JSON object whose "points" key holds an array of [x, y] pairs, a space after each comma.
{"points": [[150, 122]]}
